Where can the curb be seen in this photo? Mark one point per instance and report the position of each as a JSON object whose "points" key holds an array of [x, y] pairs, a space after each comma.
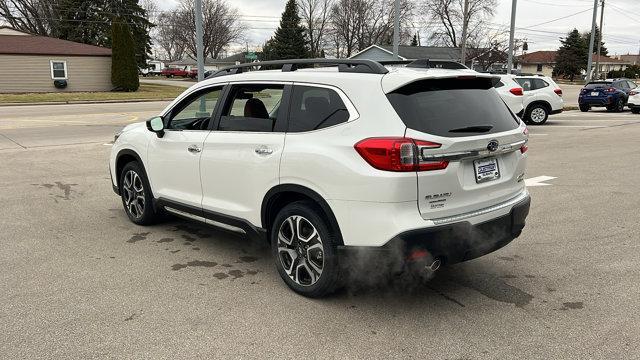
{"points": [[72, 102]]}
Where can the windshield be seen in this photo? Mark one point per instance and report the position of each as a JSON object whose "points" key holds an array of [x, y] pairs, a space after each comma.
{"points": [[453, 107]]}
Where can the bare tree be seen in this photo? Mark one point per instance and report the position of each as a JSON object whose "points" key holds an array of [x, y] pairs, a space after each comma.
{"points": [[221, 26], [169, 37], [315, 17], [447, 18], [32, 16], [358, 24]]}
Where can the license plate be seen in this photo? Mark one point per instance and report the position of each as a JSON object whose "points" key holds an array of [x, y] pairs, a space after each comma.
{"points": [[486, 170], [595, 93]]}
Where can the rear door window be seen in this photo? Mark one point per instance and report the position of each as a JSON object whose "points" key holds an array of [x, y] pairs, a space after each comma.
{"points": [[314, 108], [539, 84], [252, 108], [453, 107]]}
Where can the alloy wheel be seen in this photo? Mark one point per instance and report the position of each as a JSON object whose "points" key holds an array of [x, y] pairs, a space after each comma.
{"points": [[133, 194], [538, 115], [300, 250]]}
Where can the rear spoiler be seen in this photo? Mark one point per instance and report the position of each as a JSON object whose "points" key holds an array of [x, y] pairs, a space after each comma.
{"points": [[394, 82]]}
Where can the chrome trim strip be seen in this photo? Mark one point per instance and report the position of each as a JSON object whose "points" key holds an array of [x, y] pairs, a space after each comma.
{"points": [[511, 202], [185, 214], [204, 220], [453, 156]]}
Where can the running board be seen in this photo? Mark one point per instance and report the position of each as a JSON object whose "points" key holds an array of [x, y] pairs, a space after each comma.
{"points": [[212, 218]]}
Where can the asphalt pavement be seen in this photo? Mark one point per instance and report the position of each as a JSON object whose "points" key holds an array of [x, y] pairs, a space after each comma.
{"points": [[80, 281]]}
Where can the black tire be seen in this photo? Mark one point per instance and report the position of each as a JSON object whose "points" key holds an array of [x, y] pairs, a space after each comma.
{"points": [[308, 282], [536, 114], [617, 107], [635, 110], [134, 186], [585, 108]]}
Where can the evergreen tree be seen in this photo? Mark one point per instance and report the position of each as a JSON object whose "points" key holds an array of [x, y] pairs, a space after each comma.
{"points": [[598, 37], [289, 41], [414, 41], [124, 70], [89, 22], [572, 56]]}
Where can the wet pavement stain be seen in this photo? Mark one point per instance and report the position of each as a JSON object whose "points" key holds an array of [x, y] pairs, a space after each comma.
{"points": [[506, 258], [192, 231], [496, 289], [165, 240], [132, 316], [236, 274], [65, 188], [227, 265], [247, 259], [572, 305], [138, 237], [174, 251], [193, 263], [188, 237], [508, 276], [195, 248], [220, 276]]}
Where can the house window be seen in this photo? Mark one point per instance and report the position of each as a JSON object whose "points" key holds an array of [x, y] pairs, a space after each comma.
{"points": [[539, 68], [58, 69]]}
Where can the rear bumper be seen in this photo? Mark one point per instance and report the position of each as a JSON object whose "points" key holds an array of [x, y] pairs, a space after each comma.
{"points": [[600, 101], [462, 241]]}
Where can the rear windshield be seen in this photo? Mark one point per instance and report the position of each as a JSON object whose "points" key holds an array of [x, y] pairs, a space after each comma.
{"points": [[597, 85], [453, 107]]}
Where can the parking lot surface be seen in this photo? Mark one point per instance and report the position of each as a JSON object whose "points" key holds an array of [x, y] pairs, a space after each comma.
{"points": [[79, 280]]}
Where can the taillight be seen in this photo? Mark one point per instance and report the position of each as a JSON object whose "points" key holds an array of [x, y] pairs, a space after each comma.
{"points": [[524, 148], [516, 91], [611, 90], [558, 92], [398, 154], [633, 92], [583, 91]]}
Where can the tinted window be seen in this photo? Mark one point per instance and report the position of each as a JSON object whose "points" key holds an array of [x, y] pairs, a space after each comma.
{"points": [[195, 112], [252, 108], [632, 85], [314, 108], [525, 83], [452, 107], [621, 85], [539, 84], [597, 85], [499, 84]]}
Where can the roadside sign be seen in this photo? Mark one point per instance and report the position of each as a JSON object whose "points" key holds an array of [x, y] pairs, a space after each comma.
{"points": [[251, 56]]}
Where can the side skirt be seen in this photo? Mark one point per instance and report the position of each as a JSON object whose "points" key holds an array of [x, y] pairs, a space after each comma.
{"points": [[227, 222]]}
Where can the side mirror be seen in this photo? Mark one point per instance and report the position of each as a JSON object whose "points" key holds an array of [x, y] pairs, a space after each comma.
{"points": [[156, 124]]}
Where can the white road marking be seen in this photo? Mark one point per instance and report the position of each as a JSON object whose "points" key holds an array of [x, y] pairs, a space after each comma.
{"points": [[538, 181]]}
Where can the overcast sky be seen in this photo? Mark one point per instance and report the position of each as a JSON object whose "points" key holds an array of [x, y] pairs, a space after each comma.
{"points": [[621, 21]]}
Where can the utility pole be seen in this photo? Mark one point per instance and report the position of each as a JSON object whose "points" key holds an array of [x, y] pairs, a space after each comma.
{"points": [[597, 71], [199, 46], [396, 30], [593, 35], [465, 28], [512, 31]]}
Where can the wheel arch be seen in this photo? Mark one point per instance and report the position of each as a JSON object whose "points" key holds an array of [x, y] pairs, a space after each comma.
{"points": [[544, 103], [283, 194], [124, 157]]}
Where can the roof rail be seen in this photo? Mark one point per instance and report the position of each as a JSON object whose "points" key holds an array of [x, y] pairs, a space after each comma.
{"points": [[344, 65], [439, 64]]}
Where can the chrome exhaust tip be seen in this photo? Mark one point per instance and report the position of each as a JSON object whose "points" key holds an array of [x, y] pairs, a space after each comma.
{"points": [[434, 266]]}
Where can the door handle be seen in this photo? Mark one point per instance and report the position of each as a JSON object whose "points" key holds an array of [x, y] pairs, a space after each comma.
{"points": [[194, 149], [264, 151]]}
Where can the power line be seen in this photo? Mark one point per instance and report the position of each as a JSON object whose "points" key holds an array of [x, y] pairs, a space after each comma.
{"points": [[560, 18]]}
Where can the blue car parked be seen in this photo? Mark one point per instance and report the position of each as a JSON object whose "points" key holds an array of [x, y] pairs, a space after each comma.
{"points": [[612, 94]]}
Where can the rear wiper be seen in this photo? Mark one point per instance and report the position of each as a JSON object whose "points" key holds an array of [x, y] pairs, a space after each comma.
{"points": [[473, 129]]}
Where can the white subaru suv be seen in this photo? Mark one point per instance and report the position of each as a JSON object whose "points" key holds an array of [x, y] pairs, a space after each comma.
{"points": [[542, 97], [324, 162]]}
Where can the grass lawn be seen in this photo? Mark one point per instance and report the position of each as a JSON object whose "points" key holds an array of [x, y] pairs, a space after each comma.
{"points": [[145, 92]]}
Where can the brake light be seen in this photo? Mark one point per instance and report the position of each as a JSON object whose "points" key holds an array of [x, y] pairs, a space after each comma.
{"points": [[611, 90], [517, 91], [633, 92], [398, 154], [558, 92], [524, 148]]}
